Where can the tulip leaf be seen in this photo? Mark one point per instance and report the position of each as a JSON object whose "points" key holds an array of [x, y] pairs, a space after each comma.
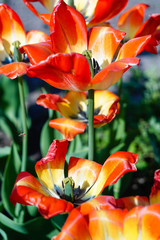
{"points": [[10, 173], [5, 151], [3, 234]]}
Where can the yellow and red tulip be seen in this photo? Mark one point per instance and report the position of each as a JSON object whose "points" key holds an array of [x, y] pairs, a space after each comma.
{"points": [[131, 22], [86, 180], [67, 67], [12, 30], [94, 12], [73, 107]]}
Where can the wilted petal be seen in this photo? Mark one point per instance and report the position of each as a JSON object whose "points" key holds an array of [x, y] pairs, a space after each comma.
{"points": [[29, 191], [103, 42], [67, 127], [114, 167], [131, 20], [143, 223], [75, 228], [64, 71], [105, 10], [155, 190], [50, 169], [44, 50], [112, 73], [107, 224], [14, 70], [68, 29]]}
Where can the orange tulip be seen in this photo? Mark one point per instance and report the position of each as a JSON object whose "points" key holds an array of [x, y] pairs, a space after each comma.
{"points": [[86, 179]]}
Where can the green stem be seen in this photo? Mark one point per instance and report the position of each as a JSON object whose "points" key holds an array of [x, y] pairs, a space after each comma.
{"points": [[71, 3], [91, 124], [120, 87]]}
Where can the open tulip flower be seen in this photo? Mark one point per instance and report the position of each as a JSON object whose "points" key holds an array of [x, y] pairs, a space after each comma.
{"points": [[56, 193], [131, 22], [73, 107], [129, 218], [94, 12], [12, 30], [72, 47]]}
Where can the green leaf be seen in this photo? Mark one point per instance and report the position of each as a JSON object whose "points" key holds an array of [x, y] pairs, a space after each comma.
{"points": [[5, 151], [10, 173], [32, 210], [3, 234]]}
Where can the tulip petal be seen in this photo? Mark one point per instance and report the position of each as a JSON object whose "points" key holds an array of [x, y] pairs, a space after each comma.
{"points": [[50, 169], [112, 73], [73, 106], [43, 49], [84, 172], [131, 20], [107, 224], [63, 71], [14, 70], [106, 10], [114, 167], [29, 191], [98, 203], [75, 228], [143, 223], [35, 36], [130, 202], [68, 29], [133, 47], [103, 42], [67, 127], [49, 101], [155, 190], [11, 28]]}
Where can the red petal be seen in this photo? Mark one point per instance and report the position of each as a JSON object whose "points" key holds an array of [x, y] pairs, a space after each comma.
{"points": [[43, 49], [155, 191], [14, 70], [131, 20], [112, 73], [106, 10], [64, 71], [49, 101], [68, 29], [28, 191], [35, 36], [67, 127], [130, 202]]}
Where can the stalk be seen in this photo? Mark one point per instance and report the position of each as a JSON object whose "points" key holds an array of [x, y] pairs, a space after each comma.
{"points": [[71, 3], [19, 210]]}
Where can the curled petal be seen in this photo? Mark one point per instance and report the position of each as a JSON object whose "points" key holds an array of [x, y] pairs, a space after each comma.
{"points": [[67, 127], [103, 42], [63, 71], [133, 47], [14, 70], [98, 203], [43, 49], [84, 172], [108, 224], [35, 36], [155, 191], [50, 169], [49, 101], [68, 29], [112, 73], [132, 19], [143, 223], [29, 191], [106, 10], [114, 167], [75, 227]]}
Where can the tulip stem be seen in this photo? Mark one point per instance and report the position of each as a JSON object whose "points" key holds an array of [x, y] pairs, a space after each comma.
{"points": [[120, 87], [18, 58], [71, 3], [91, 124]]}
